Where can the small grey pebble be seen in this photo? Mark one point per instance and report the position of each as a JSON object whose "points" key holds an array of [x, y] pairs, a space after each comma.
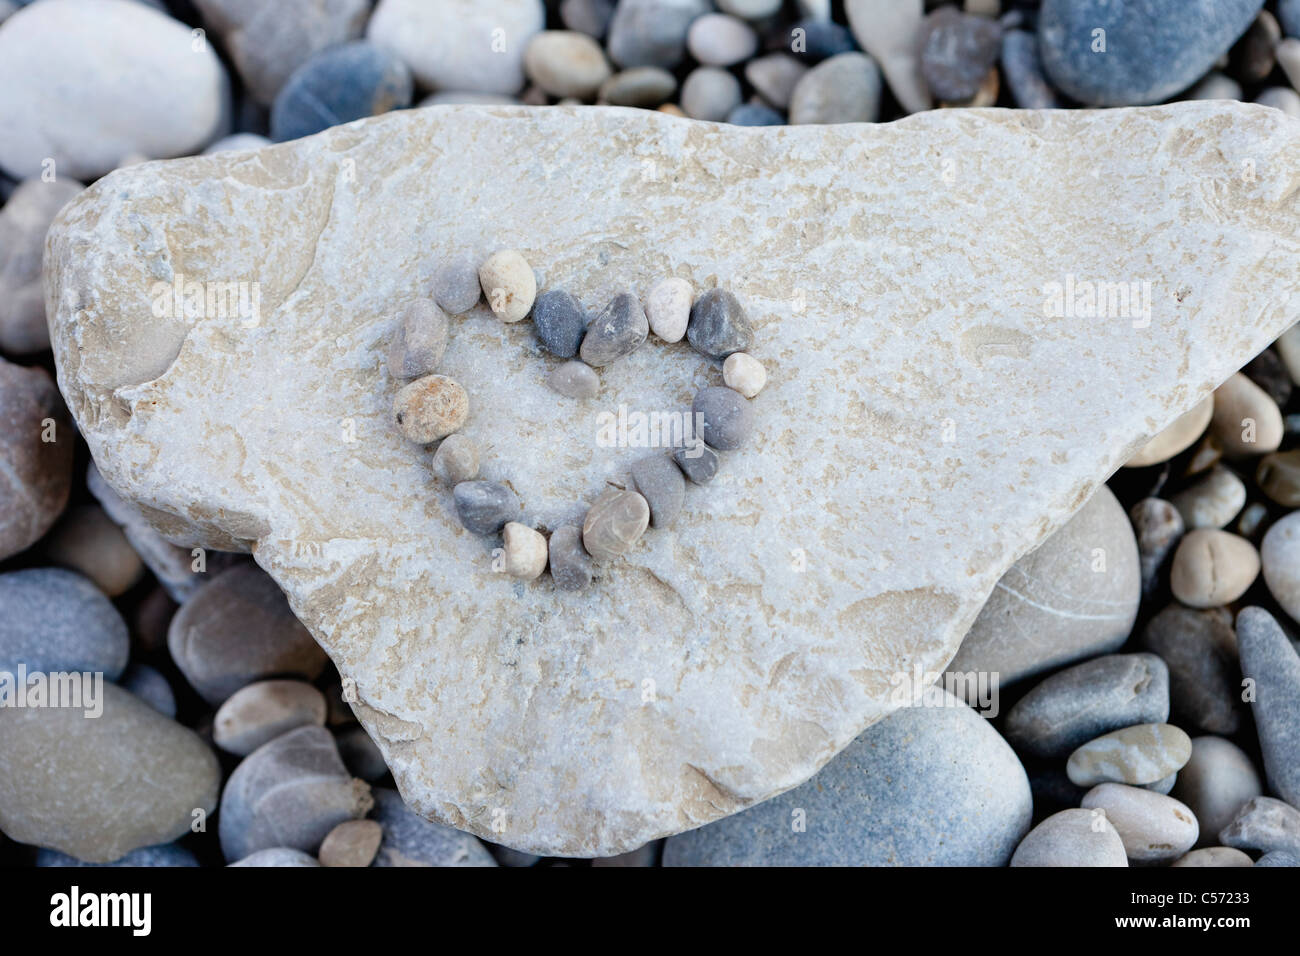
{"points": [[456, 286], [726, 418], [151, 687], [574, 380], [661, 484], [420, 341], [560, 322], [957, 50], [587, 16], [619, 330], [456, 460], [571, 567], [699, 462], [709, 93], [719, 325], [754, 114], [1024, 72], [484, 507]]}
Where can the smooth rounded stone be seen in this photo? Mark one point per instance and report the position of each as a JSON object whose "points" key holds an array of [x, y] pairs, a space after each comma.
{"points": [[668, 307], [456, 287], [237, 142], [1246, 420], [719, 39], [1072, 837], [23, 224], [1200, 650], [842, 89], [419, 342], [890, 31], [268, 41], [339, 85], [1215, 86], [926, 786], [1252, 519], [1154, 828], [1157, 526], [1087, 700], [618, 331], [484, 507], [643, 86], [1280, 558], [1141, 754], [168, 854], [698, 462], [410, 840], [1279, 858], [430, 408], [755, 114], [289, 792], [361, 755], [750, 9], [1176, 437], [509, 285], [652, 32], [87, 541], [1278, 476], [35, 475], [525, 551], [1214, 856], [1216, 781], [614, 524], [710, 93], [774, 77], [588, 16], [1264, 823], [58, 621], [1163, 785], [560, 322], [351, 843], [725, 418], [238, 629], [106, 785], [475, 45], [1212, 568], [957, 51], [718, 325], [1269, 372], [277, 856], [661, 484], [150, 686], [1054, 606], [1273, 664], [1280, 98], [257, 714], [456, 460], [1024, 72], [574, 380], [744, 373], [116, 79], [566, 63], [571, 567], [1213, 501], [1252, 58]]}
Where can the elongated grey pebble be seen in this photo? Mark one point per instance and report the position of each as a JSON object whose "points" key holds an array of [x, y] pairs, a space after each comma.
{"points": [[456, 459], [619, 330], [1143, 753], [661, 484], [614, 524], [698, 462], [574, 380], [1264, 823], [419, 342], [456, 286], [484, 507], [1268, 659], [725, 417], [571, 567], [1154, 828], [718, 325], [560, 322]]}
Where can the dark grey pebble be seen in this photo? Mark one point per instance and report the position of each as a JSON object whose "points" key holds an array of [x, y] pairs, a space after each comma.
{"points": [[755, 114], [698, 462], [811, 41], [560, 322], [411, 840], [661, 484], [151, 687], [484, 507], [619, 330], [1268, 659], [338, 85], [456, 285], [56, 620], [718, 325], [957, 51], [1252, 58], [1199, 648], [360, 754], [725, 417], [1267, 371], [571, 566]]}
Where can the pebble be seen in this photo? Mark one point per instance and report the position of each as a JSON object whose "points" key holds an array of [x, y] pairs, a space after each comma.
{"points": [[38, 474], [718, 325], [24, 220], [588, 16], [813, 41], [957, 52], [1087, 700], [1278, 476], [1141, 754], [1280, 98], [1177, 437], [1246, 420], [652, 32], [1215, 86], [456, 287], [774, 77], [718, 39], [644, 86], [451, 44], [1264, 823], [525, 551], [169, 854], [574, 380], [698, 462], [1214, 856], [484, 507], [1213, 501], [754, 114], [290, 792], [238, 629], [571, 567], [618, 331], [926, 786], [99, 788], [843, 89], [710, 93], [410, 840], [1269, 372], [1280, 557], [750, 9], [509, 285], [744, 373], [361, 755], [1212, 568], [456, 460], [1200, 650], [351, 843], [1157, 526], [150, 686], [1024, 72], [338, 85], [614, 524], [420, 341], [1269, 659], [87, 541], [725, 418], [661, 484], [430, 408], [1073, 837], [57, 621], [1154, 828], [560, 322], [1215, 783], [668, 308], [566, 63], [277, 856], [1252, 58], [1278, 858], [1252, 519], [890, 31], [257, 714]]}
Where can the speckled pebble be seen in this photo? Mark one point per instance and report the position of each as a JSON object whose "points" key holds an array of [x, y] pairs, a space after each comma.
{"points": [[718, 325], [957, 51], [560, 322], [430, 408], [456, 287], [1143, 753], [56, 620], [618, 331], [725, 417]]}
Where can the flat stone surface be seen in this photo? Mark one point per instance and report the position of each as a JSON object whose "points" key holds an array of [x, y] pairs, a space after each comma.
{"points": [[769, 671]]}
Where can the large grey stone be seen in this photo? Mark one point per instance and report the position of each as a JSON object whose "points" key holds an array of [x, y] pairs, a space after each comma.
{"points": [[55, 620], [1270, 661]]}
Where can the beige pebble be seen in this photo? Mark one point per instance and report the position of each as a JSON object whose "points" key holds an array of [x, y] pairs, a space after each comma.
{"points": [[672, 109], [614, 524], [351, 843], [260, 712], [430, 408], [509, 285], [1212, 568], [668, 308], [1155, 828], [88, 541], [525, 551], [456, 460], [744, 373], [1176, 437], [1138, 755], [1246, 419]]}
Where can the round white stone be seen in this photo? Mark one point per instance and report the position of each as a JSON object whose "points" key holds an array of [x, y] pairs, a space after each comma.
{"points": [[668, 307], [525, 551], [717, 39], [744, 373], [509, 285]]}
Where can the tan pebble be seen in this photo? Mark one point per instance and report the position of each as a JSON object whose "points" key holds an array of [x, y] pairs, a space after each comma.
{"points": [[672, 109], [1212, 568], [744, 373], [525, 551], [351, 843], [260, 712], [1246, 419], [430, 408], [509, 285], [1177, 437], [614, 524], [1138, 755], [456, 460]]}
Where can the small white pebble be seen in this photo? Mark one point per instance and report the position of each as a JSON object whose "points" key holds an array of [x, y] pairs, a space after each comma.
{"points": [[668, 307], [744, 373], [509, 284], [525, 551]]}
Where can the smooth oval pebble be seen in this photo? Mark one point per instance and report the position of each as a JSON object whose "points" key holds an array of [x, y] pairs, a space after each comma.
{"points": [[345, 82], [456, 287], [660, 482], [88, 541], [57, 621], [1212, 568], [484, 507], [571, 567], [1176, 437], [1278, 475], [719, 325], [1246, 420], [1215, 783], [525, 551], [1213, 501], [652, 32], [1272, 663], [430, 408], [277, 856], [643, 86], [560, 322], [709, 93], [351, 843], [668, 308], [1141, 754], [725, 417], [566, 63], [150, 686], [774, 77], [1072, 837], [614, 524], [411, 840], [257, 714], [744, 373], [1214, 856], [508, 284], [574, 380], [843, 89], [718, 39], [1200, 650], [1280, 558], [419, 342], [698, 462], [618, 331], [1153, 827], [456, 460], [38, 473]]}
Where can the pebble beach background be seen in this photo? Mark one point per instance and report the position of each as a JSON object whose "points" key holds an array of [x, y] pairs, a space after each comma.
{"points": [[1140, 712]]}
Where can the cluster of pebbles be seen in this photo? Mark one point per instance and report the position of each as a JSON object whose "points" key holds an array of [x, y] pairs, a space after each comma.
{"points": [[431, 408]]}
